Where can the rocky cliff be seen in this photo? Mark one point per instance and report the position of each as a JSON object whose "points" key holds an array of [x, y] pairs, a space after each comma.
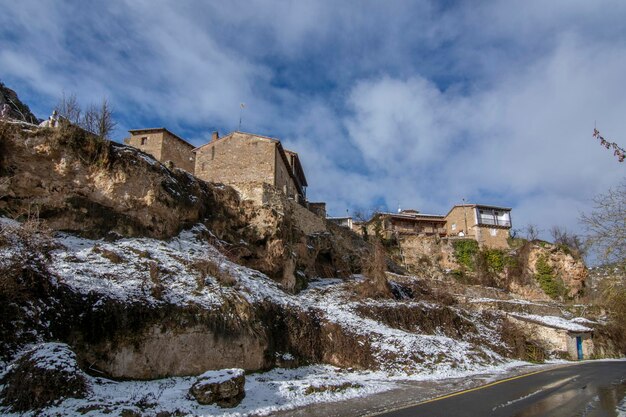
{"points": [[534, 270], [17, 109], [79, 183]]}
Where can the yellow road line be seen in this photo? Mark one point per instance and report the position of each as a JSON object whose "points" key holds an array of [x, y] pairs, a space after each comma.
{"points": [[491, 384]]}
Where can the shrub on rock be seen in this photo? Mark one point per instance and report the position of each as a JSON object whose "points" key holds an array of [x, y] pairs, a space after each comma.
{"points": [[225, 388], [46, 374]]}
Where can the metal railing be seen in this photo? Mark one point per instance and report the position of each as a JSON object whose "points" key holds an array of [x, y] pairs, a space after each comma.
{"points": [[493, 222]]}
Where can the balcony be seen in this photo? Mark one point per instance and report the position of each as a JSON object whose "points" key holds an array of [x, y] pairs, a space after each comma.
{"points": [[493, 221]]}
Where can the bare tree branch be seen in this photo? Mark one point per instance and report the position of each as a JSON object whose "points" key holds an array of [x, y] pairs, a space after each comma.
{"points": [[69, 108], [617, 150], [606, 224], [99, 120], [532, 232]]}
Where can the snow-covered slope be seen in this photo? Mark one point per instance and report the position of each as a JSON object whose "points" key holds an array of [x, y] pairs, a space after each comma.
{"points": [[161, 274]]}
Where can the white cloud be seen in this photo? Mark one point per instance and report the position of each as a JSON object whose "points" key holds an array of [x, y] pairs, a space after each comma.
{"points": [[405, 102], [527, 138]]}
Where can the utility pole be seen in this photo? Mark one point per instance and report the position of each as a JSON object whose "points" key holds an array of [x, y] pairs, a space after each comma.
{"points": [[465, 216], [241, 107]]}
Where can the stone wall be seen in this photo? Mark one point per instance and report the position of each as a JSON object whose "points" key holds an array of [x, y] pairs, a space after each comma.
{"points": [[318, 208], [164, 146], [179, 152], [283, 180], [262, 194], [237, 158], [244, 158], [153, 143], [457, 217], [492, 237]]}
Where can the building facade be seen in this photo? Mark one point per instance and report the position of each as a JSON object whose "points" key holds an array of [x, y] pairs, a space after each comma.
{"points": [[406, 222], [489, 225], [247, 158], [164, 146]]}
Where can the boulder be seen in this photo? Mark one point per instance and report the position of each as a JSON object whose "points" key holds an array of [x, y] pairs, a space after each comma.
{"points": [[43, 376], [225, 388]]}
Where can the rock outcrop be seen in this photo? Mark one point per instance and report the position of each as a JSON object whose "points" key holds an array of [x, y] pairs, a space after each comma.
{"points": [[562, 264], [225, 387], [42, 376], [537, 270], [15, 108], [79, 183]]}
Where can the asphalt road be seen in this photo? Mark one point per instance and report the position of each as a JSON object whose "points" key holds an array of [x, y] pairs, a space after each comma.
{"points": [[589, 389]]}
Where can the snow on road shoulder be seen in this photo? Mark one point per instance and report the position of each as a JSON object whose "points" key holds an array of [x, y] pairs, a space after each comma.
{"points": [[266, 393]]}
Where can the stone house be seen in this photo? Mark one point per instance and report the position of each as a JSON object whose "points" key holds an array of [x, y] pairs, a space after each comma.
{"points": [[406, 222], [318, 208], [346, 222], [164, 146], [488, 225], [245, 158]]}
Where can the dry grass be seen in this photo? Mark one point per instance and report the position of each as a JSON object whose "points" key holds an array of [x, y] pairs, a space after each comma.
{"points": [[313, 389], [157, 287], [110, 255], [209, 267], [521, 346], [91, 149]]}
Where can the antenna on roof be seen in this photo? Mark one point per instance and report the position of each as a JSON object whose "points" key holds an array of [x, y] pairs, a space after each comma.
{"points": [[241, 107]]}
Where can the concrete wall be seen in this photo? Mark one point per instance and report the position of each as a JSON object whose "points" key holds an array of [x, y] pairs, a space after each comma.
{"points": [[153, 143], [179, 152], [556, 340], [237, 158], [572, 347]]}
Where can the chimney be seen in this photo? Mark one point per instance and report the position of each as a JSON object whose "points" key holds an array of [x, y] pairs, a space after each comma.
{"points": [[215, 135]]}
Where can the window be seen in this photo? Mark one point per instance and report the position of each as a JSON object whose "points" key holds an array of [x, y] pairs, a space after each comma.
{"points": [[493, 232], [144, 140], [453, 226]]}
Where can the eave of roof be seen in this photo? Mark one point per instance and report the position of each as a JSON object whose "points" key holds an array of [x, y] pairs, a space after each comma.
{"points": [[479, 206], [161, 129], [281, 151], [415, 217]]}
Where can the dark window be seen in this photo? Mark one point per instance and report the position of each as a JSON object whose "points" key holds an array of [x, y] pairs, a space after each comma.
{"points": [[144, 140]]}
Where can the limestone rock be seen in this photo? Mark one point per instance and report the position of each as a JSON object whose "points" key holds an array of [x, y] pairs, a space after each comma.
{"points": [[225, 388], [46, 374], [571, 270]]}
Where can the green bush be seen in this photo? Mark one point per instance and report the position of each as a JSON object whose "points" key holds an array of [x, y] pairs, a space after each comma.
{"points": [[465, 253], [496, 260], [552, 285]]}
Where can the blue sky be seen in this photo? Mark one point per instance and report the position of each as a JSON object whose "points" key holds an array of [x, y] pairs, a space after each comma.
{"points": [[417, 104]]}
